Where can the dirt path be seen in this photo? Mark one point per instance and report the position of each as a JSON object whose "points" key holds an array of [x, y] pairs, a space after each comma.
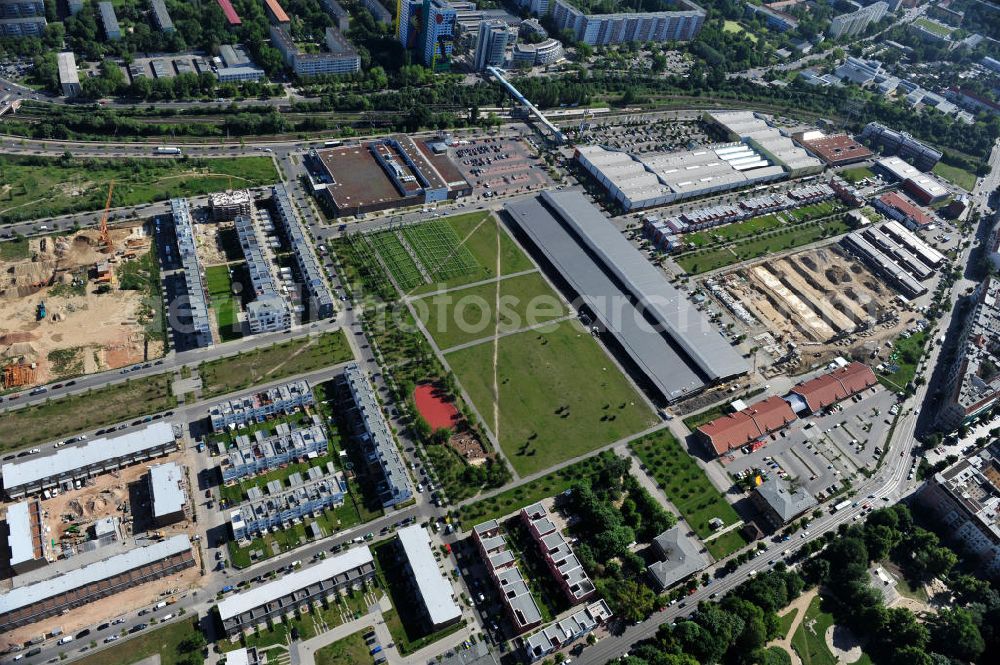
{"points": [[496, 346], [297, 352], [801, 604]]}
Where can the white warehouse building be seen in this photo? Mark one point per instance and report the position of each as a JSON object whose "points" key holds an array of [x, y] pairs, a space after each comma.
{"points": [[645, 181]]}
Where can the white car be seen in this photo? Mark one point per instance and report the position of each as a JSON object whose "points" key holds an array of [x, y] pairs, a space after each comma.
{"points": [[110, 638]]}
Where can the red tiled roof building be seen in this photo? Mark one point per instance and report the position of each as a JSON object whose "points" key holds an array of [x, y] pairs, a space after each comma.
{"points": [[737, 429]]}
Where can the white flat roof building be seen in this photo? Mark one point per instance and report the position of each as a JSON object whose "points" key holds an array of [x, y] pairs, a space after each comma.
{"points": [[69, 78], [166, 482], [643, 181], [25, 540], [924, 185], [436, 592], [28, 474]]}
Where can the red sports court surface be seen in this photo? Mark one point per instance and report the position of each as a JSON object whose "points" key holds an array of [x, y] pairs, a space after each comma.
{"points": [[433, 405]]}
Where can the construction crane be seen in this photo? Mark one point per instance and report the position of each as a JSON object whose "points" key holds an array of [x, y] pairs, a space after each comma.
{"points": [[106, 241]]}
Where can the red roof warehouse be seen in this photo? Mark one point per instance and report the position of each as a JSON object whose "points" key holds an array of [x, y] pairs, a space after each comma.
{"points": [[838, 149], [827, 390], [736, 429]]}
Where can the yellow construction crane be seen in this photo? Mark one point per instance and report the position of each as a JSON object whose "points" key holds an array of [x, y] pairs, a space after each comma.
{"points": [[106, 241]]}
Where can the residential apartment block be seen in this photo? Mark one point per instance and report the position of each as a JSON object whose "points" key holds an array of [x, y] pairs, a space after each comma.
{"points": [[558, 555], [856, 22], [33, 602], [257, 453], [518, 603], [22, 18], [26, 538], [161, 17], [966, 499], [339, 58], [197, 305], [320, 581], [321, 489], [34, 474], [379, 444], [166, 486], [109, 21], [564, 632], [680, 24], [319, 298], [258, 407], [972, 384], [437, 34], [225, 206], [268, 311], [378, 11], [21, 8], [429, 584]]}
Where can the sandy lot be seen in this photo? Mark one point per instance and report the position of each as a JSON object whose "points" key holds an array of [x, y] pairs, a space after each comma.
{"points": [[210, 252], [820, 301], [90, 332]]}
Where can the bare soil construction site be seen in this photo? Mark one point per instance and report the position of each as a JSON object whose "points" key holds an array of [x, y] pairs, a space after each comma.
{"points": [[59, 317], [68, 520], [816, 305]]}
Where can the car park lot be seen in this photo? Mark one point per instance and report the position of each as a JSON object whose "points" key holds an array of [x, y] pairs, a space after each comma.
{"points": [[644, 133], [820, 451], [499, 166]]}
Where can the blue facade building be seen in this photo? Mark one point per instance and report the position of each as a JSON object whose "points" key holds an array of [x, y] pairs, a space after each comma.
{"points": [[438, 36]]}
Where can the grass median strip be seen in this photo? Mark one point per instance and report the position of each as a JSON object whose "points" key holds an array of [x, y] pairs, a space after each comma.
{"points": [[61, 417], [271, 363]]}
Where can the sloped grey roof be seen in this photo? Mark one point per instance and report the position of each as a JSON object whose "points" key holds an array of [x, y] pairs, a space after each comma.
{"points": [[783, 501], [682, 557]]}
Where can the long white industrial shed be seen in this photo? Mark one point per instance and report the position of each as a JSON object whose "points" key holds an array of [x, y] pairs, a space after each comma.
{"points": [[33, 602], [33, 474], [677, 347], [435, 591]]}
